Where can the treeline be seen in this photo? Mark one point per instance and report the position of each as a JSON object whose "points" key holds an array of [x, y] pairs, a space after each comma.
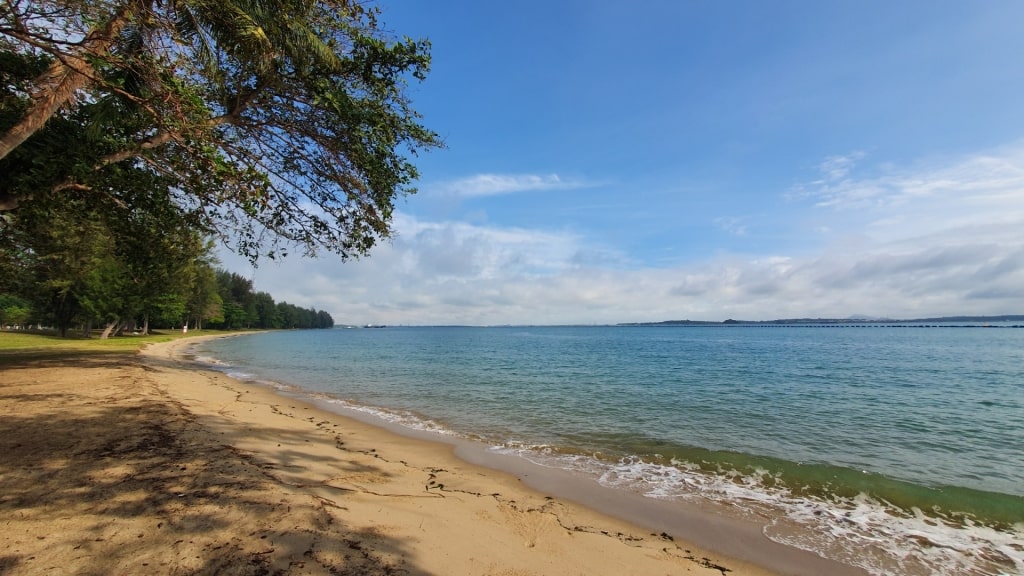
{"points": [[76, 270], [243, 308]]}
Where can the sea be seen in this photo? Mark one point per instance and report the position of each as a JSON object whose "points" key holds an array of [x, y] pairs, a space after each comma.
{"points": [[898, 449]]}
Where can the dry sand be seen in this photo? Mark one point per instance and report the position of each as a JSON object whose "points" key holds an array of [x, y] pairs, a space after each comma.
{"points": [[140, 464]]}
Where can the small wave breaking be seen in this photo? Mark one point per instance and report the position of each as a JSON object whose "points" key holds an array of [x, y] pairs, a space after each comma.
{"points": [[858, 530]]}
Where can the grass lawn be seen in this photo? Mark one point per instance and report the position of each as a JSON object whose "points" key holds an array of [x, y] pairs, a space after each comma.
{"points": [[19, 344]]}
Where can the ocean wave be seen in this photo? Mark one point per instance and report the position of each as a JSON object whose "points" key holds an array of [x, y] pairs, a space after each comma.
{"points": [[860, 531], [403, 418]]}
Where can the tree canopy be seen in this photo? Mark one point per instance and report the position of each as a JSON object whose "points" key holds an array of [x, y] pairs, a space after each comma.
{"points": [[132, 132], [269, 123]]}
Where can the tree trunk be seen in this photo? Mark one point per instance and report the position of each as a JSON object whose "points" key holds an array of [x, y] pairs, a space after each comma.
{"points": [[111, 327], [145, 325], [67, 75]]}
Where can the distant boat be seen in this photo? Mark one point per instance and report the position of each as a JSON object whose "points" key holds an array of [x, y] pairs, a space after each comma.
{"points": [[375, 326]]}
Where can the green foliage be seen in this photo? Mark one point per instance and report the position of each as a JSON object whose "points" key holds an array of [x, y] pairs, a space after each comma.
{"points": [[282, 121], [14, 311], [295, 317], [93, 262], [104, 294], [168, 309], [243, 308], [202, 303], [269, 123], [234, 316], [267, 315]]}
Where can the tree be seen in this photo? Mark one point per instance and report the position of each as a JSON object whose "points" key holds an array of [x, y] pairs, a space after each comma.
{"points": [[234, 316], [203, 303], [59, 254], [266, 311], [14, 311], [167, 310], [104, 292], [93, 258], [286, 312], [324, 320], [284, 122]]}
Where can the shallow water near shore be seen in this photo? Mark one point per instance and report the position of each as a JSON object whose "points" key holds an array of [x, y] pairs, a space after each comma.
{"points": [[897, 450]]}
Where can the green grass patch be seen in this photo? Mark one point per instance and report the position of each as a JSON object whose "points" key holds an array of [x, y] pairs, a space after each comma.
{"points": [[19, 343]]}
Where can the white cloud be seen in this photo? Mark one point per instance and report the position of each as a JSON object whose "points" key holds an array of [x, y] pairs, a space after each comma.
{"points": [[993, 181], [495, 184], [929, 240]]}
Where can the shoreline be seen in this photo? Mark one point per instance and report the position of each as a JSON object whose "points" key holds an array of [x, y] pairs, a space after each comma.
{"points": [[705, 526], [151, 463]]}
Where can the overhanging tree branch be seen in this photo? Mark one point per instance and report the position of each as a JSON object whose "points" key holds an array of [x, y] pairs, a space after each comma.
{"points": [[279, 119], [67, 75]]}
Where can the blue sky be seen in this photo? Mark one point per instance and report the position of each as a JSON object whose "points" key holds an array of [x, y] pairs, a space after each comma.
{"points": [[616, 162]]}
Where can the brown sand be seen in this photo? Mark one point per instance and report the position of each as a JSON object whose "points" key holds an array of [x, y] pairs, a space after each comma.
{"points": [[124, 464]]}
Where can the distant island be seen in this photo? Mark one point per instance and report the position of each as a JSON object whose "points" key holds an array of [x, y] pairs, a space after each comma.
{"points": [[857, 320]]}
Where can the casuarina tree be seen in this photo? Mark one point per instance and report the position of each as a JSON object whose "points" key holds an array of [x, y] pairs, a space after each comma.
{"points": [[272, 123]]}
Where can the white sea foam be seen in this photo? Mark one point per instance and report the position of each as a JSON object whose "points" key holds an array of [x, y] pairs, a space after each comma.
{"points": [[865, 532], [210, 361], [859, 531], [400, 417], [240, 375]]}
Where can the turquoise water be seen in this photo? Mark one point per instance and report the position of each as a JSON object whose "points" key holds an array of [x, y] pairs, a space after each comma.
{"points": [[900, 450]]}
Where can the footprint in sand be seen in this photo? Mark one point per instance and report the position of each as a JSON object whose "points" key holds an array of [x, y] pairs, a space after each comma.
{"points": [[530, 525]]}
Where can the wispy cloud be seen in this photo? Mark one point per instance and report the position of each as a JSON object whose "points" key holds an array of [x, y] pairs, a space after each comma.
{"points": [[495, 184], [836, 168], [733, 225], [994, 178]]}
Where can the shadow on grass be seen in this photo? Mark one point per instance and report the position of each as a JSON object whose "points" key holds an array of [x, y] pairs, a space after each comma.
{"points": [[12, 359], [111, 481]]}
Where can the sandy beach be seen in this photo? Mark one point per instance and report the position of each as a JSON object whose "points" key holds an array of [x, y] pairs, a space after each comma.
{"points": [[136, 464]]}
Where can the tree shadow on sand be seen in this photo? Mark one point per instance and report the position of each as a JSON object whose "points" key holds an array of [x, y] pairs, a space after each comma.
{"points": [[97, 480]]}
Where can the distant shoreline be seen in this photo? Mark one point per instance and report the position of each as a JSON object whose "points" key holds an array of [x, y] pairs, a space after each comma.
{"points": [[941, 322]]}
